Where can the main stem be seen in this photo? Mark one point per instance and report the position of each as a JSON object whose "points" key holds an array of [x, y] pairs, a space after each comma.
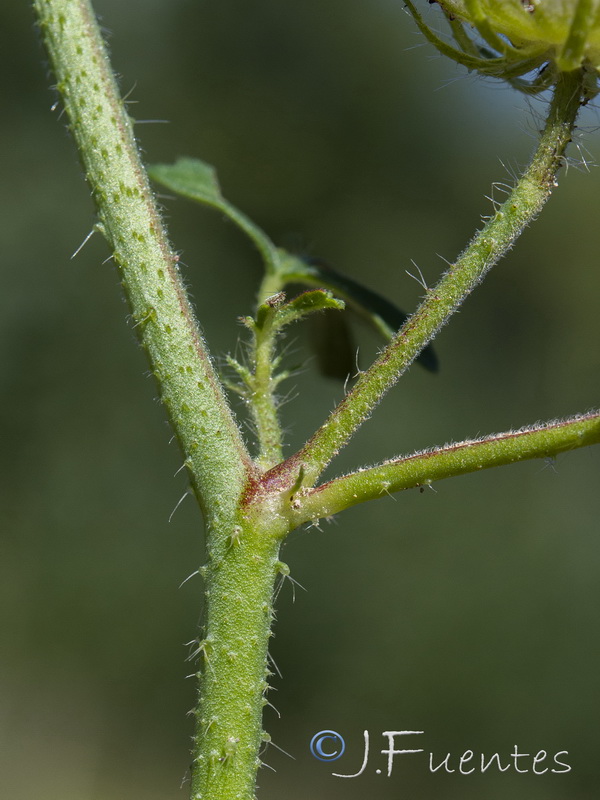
{"points": [[214, 452], [240, 577], [242, 552]]}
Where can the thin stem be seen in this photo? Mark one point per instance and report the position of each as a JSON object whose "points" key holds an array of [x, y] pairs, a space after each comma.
{"points": [[198, 181], [272, 283], [422, 469], [487, 247], [262, 382], [263, 402], [129, 219], [263, 244]]}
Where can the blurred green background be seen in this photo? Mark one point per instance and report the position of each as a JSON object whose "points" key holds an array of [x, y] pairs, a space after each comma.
{"points": [[469, 612]]}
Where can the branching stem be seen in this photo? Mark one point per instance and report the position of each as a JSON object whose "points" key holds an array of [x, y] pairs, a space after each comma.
{"points": [[488, 246], [248, 513], [422, 469]]}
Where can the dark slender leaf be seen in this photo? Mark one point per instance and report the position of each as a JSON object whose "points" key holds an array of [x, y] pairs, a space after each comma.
{"points": [[333, 344], [377, 310]]}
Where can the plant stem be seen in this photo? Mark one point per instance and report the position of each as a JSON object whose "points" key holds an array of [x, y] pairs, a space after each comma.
{"points": [[247, 515], [242, 553], [129, 219], [263, 400], [234, 675], [263, 383], [422, 469], [488, 246]]}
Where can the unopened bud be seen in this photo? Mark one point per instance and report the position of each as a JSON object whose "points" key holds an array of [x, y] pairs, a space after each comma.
{"points": [[514, 38]]}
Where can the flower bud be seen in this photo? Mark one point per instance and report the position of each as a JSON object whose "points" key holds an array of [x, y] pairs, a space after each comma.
{"points": [[568, 31], [515, 38]]}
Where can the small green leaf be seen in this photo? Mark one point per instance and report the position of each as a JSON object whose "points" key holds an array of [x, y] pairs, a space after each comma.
{"points": [[198, 181], [377, 310], [278, 313], [308, 303], [191, 178]]}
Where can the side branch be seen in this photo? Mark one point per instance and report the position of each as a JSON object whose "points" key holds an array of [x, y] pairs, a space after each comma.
{"points": [[488, 246], [421, 469], [129, 219]]}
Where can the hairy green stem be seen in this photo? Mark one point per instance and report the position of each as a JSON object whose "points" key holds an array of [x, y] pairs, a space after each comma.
{"points": [[263, 383], [489, 245], [240, 578], [263, 401], [242, 554], [422, 469], [129, 219]]}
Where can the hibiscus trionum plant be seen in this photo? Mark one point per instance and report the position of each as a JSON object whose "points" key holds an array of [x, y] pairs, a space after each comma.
{"points": [[251, 494]]}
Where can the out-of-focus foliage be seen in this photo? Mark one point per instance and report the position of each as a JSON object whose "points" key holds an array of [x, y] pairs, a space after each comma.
{"points": [[469, 612]]}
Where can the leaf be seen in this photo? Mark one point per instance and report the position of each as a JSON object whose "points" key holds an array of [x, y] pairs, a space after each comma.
{"points": [[308, 303], [198, 181], [191, 178], [333, 344], [278, 313], [377, 310]]}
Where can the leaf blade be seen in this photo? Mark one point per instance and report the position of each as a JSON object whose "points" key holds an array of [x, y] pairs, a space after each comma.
{"points": [[196, 180]]}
